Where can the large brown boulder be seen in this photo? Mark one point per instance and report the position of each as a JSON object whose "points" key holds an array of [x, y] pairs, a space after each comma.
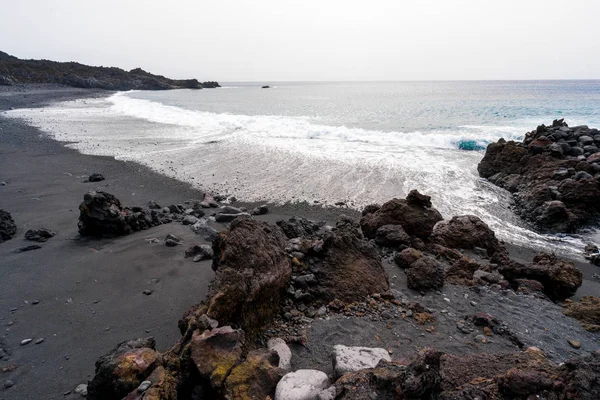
{"points": [[256, 377], [560, 278], [351, 267], [123, 369], [216, 352], [424, 274], [502, 157], [252, 272], [466, 232], [8, 229], [586, 311], [414, 214]]}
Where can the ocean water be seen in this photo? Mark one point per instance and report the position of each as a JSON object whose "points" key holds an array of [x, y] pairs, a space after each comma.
{"points": [[330, 142]]}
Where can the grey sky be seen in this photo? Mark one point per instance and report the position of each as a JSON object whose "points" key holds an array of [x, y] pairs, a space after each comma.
{"points": [[271, 40]]}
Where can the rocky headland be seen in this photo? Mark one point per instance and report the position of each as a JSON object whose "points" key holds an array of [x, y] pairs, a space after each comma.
{"points": [[554, 174], [17, 71]]}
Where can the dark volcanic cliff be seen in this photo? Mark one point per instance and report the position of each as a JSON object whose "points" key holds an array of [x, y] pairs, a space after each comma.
{"points": [[14, 70]]}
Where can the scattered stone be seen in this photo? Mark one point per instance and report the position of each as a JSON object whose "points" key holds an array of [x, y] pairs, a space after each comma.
{"points": [[39, 235], [26, 341], [9, 383], [260, 210], [392, 236], [303, 384], [39, 340], [148, 292], [203, 229], [172, 240], [189, 220], [223, 218], [574, 343], [350, 359], [145, 385], [82, 390], [95, 178], [586, 311], [284, 352], [154, 205], [200, 252]]}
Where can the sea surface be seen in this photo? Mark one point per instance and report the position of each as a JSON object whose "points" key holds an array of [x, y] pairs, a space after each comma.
{"points": [[360, 142]]}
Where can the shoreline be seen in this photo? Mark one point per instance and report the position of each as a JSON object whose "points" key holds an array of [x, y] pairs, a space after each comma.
{"points": [[86, 286]]}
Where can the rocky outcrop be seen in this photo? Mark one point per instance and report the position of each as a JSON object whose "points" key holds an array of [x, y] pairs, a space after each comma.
{"points": [[14, 71], [554, 175], [8, 228], [255, 378], [560, 278], [252, 272], [415, 214], [123, 369], [101, 213]]}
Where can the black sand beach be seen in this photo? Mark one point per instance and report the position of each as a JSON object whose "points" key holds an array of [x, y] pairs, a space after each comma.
{"points": [[83, 296]]}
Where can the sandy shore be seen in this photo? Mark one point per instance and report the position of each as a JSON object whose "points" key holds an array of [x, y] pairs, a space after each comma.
{"points": [[83, 296]]}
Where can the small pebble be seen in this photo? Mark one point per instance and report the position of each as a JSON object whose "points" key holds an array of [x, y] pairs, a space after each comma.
{"points": [[68, 392], [67, 357], [144, 386], [81, 390], [9, 383], [473, 303], [147, 292], [26, 341], [574, 344], [34, 302], [39, 340]]}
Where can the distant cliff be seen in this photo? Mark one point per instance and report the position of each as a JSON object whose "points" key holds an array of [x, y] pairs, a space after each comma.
{"points": [[14, 70]]}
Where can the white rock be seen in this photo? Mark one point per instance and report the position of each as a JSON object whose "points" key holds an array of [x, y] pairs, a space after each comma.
{"points": [[327, 394], [348, 359], [304, 384], [81, 390], [144, 386], [285, 354]]}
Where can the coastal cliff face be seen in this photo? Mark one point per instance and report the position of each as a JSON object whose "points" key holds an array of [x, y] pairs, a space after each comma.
{"points": [[554, 175], [14, 71]]}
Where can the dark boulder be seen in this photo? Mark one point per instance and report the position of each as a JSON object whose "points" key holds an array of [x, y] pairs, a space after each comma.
{"points": [[298, 227], [412, 213], [392, 236], [466, 232], [8, 228], [351, 267], [407, 257], [425, 274], [95, 178], [560, 278], [101, 213]]}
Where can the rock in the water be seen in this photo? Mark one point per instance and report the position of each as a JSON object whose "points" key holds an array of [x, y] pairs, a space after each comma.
{"points": [[123, 369], [284, 352], [466, 232], [95, 178], [8, 228], [414, 214], [101, 213], [560, 278], [392, 236], [216, 352], [424, 274], [350, 359], [39, 235], [586, 311], [256, 377], [303, 384]]}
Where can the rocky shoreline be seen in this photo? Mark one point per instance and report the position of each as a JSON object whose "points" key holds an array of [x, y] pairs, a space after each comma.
{"points": [[14, 71], [303, 302], [554, 175]]}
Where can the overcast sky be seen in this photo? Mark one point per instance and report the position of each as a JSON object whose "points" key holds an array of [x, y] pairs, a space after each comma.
{"points": [[278, 40]]}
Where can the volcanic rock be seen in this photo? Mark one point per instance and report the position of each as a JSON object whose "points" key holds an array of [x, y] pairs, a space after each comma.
{"points": [[256, 377], [350, 359], [303, 384], [414, 214], [8, 228], [424, 274], [586, 311], [39, 235], [466, 232]]}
